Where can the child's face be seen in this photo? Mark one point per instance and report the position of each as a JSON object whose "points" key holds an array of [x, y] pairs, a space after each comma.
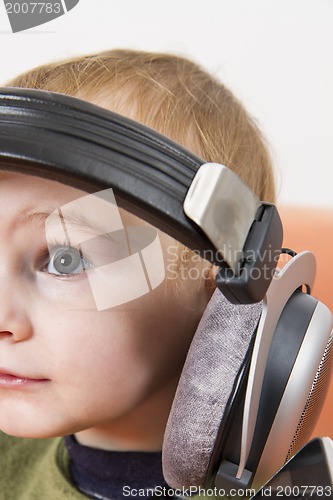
{"points": [[66, 366]]}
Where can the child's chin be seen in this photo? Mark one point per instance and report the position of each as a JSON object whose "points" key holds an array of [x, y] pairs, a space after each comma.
{"points": [[24, 430], [25, 433]]}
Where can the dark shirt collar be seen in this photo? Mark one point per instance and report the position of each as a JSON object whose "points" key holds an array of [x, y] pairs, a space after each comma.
{"points": [[113, 474]]}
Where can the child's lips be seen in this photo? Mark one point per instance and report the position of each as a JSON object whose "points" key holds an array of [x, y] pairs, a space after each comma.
{"points": [[9, 379]]}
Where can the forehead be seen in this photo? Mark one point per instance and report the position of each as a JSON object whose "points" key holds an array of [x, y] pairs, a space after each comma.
{"points": [[22, 195], [19, 188]]}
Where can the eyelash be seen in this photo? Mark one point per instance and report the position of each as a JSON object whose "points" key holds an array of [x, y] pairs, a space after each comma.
{"points": [[47, 253]]}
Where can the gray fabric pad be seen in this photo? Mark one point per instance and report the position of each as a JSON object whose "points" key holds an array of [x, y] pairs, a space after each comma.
{"points": [[214, 359]]}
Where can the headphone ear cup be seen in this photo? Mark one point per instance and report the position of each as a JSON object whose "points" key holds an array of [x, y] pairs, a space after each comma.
{"points": [[295, 384], [314, 402], [214, 360]]}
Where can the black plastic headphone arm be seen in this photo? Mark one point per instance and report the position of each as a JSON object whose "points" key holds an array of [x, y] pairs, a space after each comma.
{"points": [[260, 257], [228, 441]]}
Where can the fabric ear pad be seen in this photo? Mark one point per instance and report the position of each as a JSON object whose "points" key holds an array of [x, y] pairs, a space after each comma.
{"points": [[212, 364]]}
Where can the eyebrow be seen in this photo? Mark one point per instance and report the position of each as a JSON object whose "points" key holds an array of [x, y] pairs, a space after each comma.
{"points": [[28, 217], [77, 219]]}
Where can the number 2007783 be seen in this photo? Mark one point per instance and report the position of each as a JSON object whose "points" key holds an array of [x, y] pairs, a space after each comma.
{"points": [[33, 8]]}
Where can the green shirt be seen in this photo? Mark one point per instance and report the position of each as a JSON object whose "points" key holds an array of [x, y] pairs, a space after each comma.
{"points": [[38, 469], [35, 469]]}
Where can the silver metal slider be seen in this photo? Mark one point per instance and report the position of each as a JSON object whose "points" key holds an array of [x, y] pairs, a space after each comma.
{"points": [[224, 208]]}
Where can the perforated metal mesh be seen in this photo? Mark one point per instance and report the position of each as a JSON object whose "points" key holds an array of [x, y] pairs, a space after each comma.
{"points": [[314, 402]]}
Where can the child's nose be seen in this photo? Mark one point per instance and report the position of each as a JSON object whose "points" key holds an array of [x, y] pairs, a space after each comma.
{"points": [[15, 324]]}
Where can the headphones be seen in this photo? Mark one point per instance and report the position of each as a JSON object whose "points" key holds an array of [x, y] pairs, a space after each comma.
{"points": [[259, 364]]}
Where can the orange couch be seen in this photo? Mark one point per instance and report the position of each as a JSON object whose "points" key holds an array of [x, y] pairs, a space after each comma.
{"points": [[307, 228]]}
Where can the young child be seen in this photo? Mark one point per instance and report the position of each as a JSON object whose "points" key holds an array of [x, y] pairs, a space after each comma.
{"points": [[109, 395]]}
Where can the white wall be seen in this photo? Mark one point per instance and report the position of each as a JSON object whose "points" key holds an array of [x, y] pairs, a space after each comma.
{"points": [[275, 54]]}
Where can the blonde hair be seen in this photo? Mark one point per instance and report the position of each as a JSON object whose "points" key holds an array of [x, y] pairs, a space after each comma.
{"points": [[172, 95]]}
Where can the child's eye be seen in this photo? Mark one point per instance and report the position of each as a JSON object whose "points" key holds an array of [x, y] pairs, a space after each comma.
{"points": [[66, 261]]}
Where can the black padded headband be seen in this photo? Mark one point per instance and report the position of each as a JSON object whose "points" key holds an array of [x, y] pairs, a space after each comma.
{"points": [[69, 140], [75, 142]]}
